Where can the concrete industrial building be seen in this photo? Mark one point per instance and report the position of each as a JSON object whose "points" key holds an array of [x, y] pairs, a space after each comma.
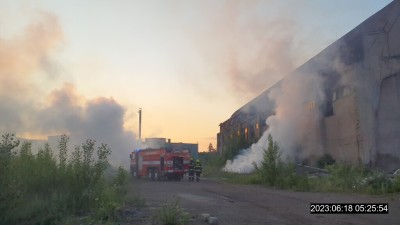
{"points": [[348, 99], [37, 144]]}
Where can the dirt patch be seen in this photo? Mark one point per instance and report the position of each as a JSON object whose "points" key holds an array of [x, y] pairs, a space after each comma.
{"points": [[244, 204]]}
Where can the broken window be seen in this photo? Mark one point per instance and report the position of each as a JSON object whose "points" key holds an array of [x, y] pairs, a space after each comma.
{"points": [[346, 91], [341, 92], [311, 105], [327, 106], [334, 96]]}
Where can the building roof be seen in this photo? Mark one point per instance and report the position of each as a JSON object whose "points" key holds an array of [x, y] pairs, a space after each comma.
{"points": [[349, 48]]}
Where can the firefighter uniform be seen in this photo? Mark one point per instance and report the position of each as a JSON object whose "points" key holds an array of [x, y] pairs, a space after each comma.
{"points": [[198, 169], [191, 170]]}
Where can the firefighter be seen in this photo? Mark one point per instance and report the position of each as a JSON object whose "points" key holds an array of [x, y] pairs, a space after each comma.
{"points": [[198, 170], [191, 170]]}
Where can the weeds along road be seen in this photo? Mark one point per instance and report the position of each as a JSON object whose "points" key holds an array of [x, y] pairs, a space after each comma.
{"points": [[242, 204]]}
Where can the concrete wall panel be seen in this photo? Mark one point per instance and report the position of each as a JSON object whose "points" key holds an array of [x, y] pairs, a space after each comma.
{"points": [[340, 131], [389, 124], [393, 40], [365, 125]]}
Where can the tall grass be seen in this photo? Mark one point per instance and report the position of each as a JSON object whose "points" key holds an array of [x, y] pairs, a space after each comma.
{"points": [[170, 214], [355, 179], [43, 188], [274, 172], [340, 178]]}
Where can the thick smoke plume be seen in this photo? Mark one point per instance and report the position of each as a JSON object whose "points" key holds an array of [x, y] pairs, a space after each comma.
{"points": [[21, 62], [300, 99], [297, 101], [31, 110], [101, 119], [248, 49]]}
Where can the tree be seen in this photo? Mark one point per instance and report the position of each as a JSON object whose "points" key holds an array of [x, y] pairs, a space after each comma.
{"points": [[269, 170], [211, 148], [233, 147]]}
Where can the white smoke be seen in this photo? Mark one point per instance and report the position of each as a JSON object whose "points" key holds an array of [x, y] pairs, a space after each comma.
{"points": [[297, 100], [34, 110]]}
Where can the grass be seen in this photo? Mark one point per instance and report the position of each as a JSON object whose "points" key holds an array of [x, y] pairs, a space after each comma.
{"points": [[170, 214], [355, 179], [272, 172], [132, 198], [50, 188], [342, 179]]}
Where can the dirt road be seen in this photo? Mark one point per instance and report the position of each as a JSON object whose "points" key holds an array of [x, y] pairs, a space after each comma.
{"points": [[242, 204]]}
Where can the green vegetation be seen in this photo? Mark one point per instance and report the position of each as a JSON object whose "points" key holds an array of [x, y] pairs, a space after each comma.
{"points": [[325, 160], [339, 178], [274, 172], [348, 178], [44, 189], [170, 214], [271, 166], [211, 163], [233, 147]]}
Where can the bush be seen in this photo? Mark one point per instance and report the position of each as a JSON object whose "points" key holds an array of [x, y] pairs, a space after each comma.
{"points": [[395, 188], [212, 164], [376, 182], [170, 214], [39, 189], [288, 179], [274, 172], [212, 159], [340, 178], [233, 147], [325, 160], [352, 178], [343, 177], [271, 162], [237, 178]]}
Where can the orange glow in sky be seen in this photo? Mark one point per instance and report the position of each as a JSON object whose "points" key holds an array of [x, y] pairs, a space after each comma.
{"points": [[188, 64]]}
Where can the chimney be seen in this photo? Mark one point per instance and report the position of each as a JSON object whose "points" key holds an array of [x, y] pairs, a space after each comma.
{"points": [[140, 124]]}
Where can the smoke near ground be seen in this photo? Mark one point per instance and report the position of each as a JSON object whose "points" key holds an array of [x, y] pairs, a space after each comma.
{"points": [[296, 102], [37, 102], [299, 100]]}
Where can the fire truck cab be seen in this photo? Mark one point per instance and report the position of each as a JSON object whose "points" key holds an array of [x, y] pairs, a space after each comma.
{"points": [[157, 164]]}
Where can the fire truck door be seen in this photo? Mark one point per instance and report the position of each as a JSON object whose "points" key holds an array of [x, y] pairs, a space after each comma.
{"points": [[140, 163], [178, 163]]}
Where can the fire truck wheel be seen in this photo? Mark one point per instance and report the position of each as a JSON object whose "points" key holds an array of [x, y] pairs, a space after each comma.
{"points": [[178, 177], [169, 177], [155, 172], [150, 173]]}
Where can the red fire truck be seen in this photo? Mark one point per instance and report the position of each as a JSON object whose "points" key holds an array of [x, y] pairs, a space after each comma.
{"points": [[159, 163]]}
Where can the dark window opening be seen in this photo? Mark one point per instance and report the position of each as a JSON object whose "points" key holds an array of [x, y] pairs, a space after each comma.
{"points": [[341, 92], [327, 106]]}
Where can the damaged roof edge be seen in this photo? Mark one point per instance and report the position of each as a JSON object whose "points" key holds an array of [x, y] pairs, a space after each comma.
{"points": [[378, 22]]}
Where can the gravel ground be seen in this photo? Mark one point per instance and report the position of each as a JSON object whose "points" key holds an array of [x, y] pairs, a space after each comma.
{"points": [[244, 204]]}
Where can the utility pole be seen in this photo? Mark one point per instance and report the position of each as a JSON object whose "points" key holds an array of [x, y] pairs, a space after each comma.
{"points": [[140, 124]]}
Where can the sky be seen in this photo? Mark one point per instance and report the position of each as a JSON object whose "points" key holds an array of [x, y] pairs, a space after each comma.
{"points": [[84, 68]]}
